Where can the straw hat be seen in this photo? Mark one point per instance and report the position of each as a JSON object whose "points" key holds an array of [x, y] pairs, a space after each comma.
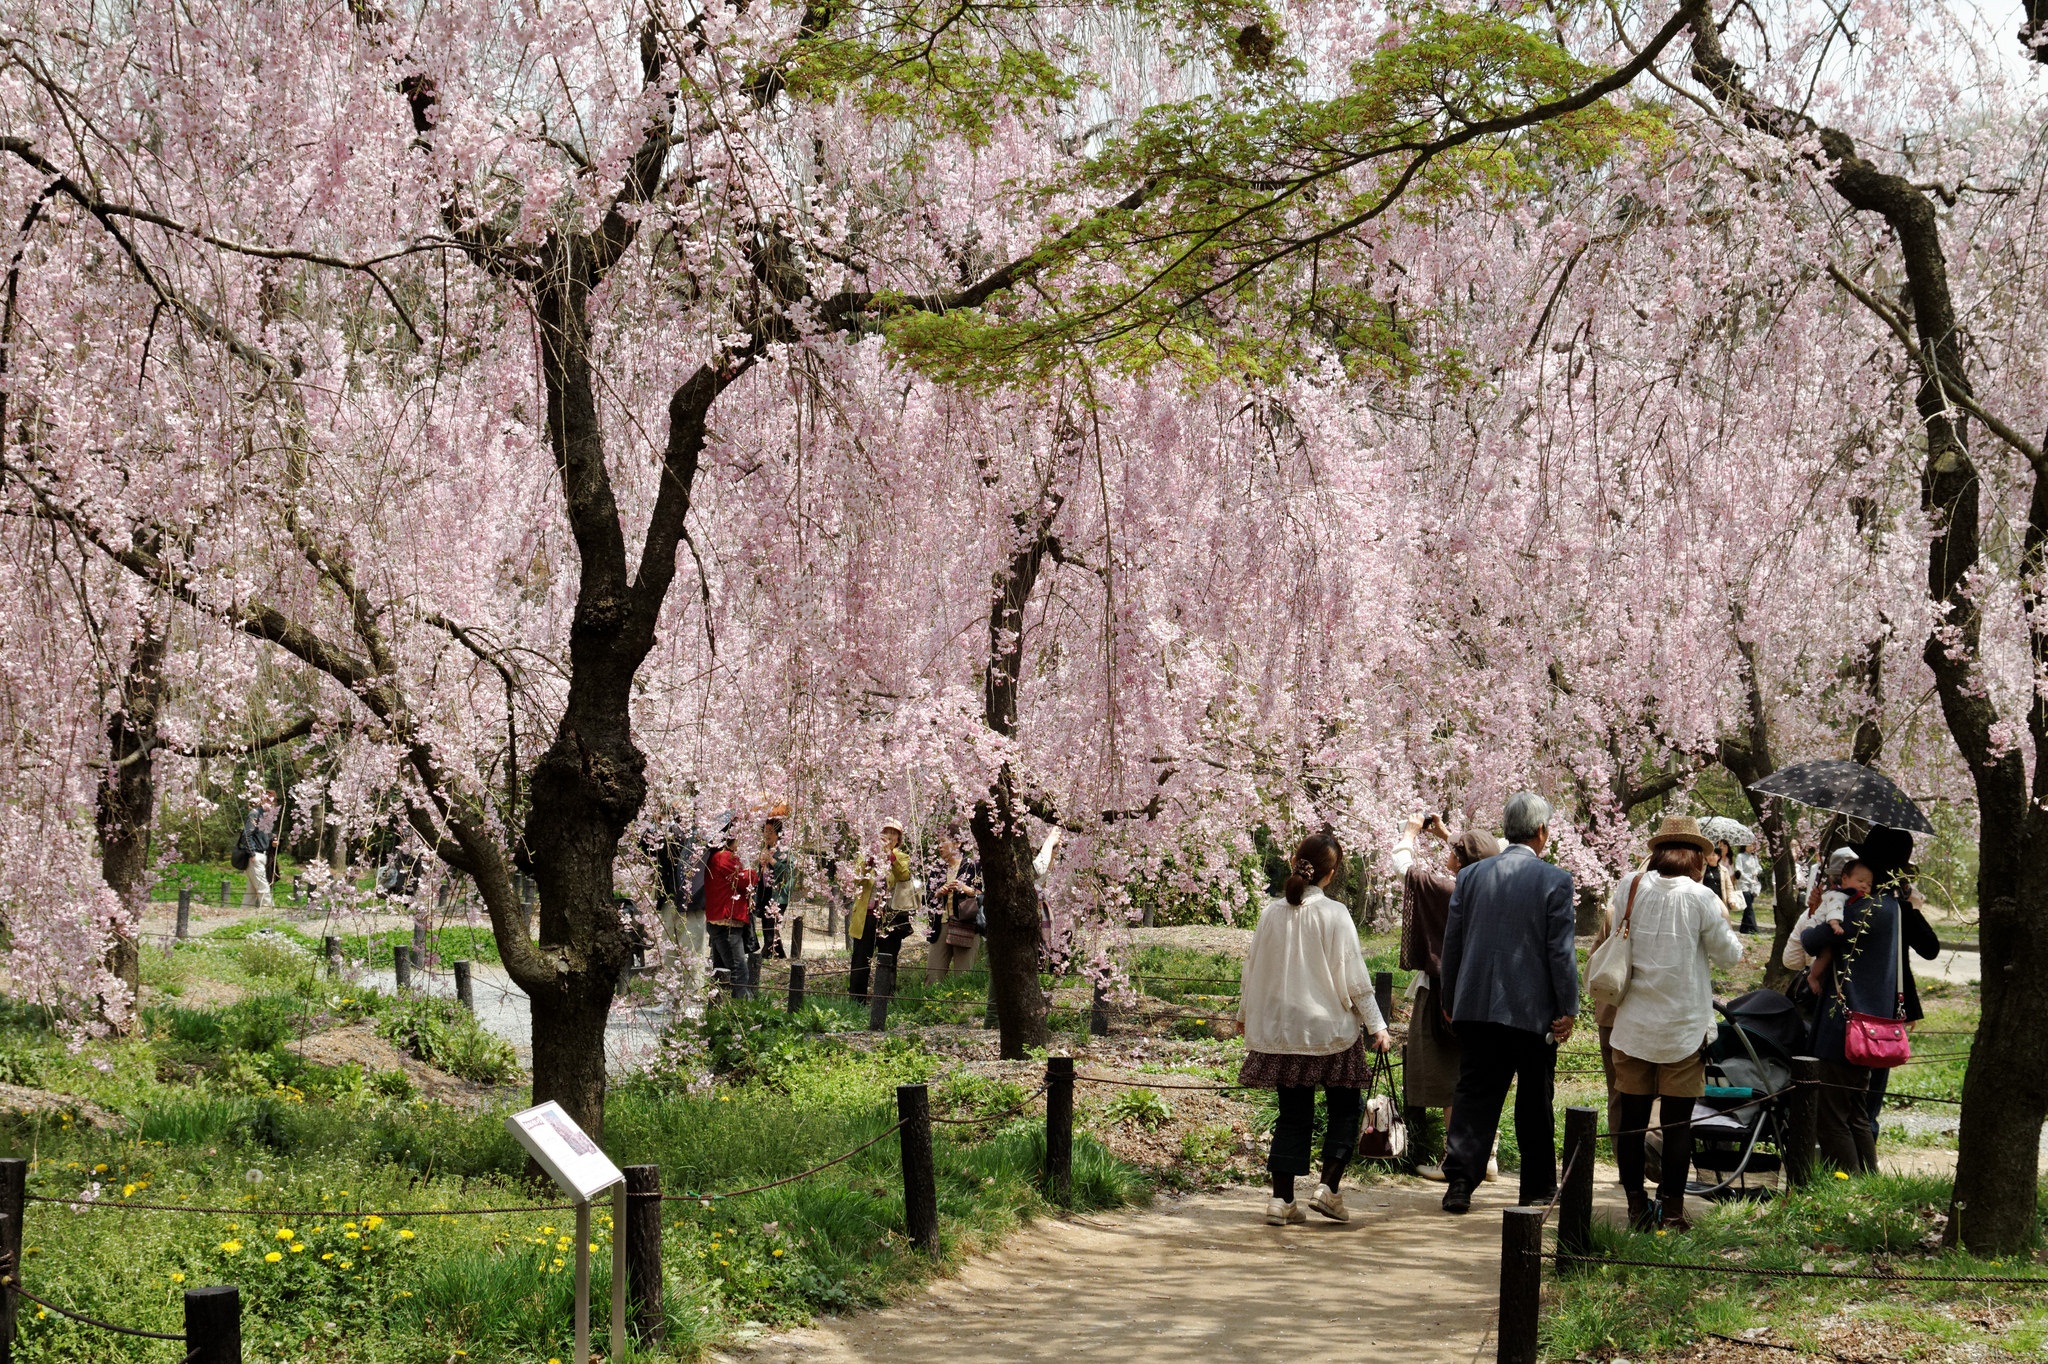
{"points": [[1680, 829], [895, 824]]}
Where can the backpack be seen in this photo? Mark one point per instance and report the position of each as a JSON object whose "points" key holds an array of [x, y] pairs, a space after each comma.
{"points": [[239, 858]]}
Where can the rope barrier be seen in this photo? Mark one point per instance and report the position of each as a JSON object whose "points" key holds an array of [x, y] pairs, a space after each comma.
{"points": [[1029, 1099], [708, 1199], [95, 1321], [81, 1204], [1142, 1084], [1759, 1272]]}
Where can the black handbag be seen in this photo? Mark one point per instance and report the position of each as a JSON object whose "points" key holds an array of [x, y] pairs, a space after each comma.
{"points": [[1385, 1135]]}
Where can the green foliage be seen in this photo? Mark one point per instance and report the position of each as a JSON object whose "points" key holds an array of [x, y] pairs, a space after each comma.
{"points": [[1240, 221], [1143, 1107], [275, 956], [445, 1035]]}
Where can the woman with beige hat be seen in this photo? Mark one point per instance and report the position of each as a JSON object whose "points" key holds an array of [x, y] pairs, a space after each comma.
{"points": [[883, 908], [1678, 931]]}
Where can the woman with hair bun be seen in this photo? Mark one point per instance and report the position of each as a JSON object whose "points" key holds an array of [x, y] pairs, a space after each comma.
{"points": [[1306, 1008]]}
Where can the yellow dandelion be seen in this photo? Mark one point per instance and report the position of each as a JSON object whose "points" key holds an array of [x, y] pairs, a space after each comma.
{"points": [[328, 1256], [372, 1222], [177, 1278], [405, 1235], [346, 1264], [286, 1234], [127, 1191], [99, 1169], [1841, 1174], [353, 1235], [273, 1257], [231, 1247], [777, 1252], [296, 1246]]}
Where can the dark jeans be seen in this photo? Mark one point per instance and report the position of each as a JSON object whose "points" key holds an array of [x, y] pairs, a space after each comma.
{"points": [[1748, 912], [1675, 1117], [1344, 1111], [1495, 1056], [729, 955], [1846, 1139], [867, 946], [1880, 1081]]}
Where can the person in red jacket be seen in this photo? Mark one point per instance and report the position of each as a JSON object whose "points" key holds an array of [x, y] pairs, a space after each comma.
{"points": [[728, 906]]}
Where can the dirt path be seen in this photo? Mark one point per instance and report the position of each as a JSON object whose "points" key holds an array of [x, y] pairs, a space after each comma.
{"points": [[1201, 1278]]}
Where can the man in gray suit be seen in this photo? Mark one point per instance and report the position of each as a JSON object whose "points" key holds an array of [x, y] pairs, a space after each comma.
{"points": [[1511, 990]]}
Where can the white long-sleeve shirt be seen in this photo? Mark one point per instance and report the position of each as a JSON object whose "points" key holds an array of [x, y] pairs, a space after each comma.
{"points": [[1678, 932], [1306, 991]]}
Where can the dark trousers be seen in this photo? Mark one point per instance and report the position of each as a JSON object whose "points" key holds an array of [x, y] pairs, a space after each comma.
{"points": [[1496, 1056], [1880, 1081], [1343, 1112], [1748, 912], [867, 946], [1675, 1117], [729, 955], [1846, 1139]]}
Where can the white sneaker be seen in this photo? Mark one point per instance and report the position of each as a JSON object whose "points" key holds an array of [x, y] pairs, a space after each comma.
{"points": [[1279, 1214], [1330, 1204], [1492, 1175], [1432, 1172]]}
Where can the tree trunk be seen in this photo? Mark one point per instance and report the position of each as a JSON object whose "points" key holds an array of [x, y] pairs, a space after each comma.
{"points": [[1010, 905], [127, 804]]}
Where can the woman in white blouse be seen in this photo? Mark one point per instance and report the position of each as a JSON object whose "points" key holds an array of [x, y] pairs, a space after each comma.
{"points": [[1305, 1010], [1678, 932]]}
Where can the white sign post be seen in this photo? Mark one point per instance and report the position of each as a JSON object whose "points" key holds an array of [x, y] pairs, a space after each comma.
{"points": [[574, 1161]]}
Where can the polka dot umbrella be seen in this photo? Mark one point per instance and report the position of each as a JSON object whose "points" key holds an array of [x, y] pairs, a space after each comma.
{"points": [[1847, 789]]}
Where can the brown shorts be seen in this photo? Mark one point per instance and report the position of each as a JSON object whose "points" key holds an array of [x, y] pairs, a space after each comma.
{"points": [[1685, 1079]]}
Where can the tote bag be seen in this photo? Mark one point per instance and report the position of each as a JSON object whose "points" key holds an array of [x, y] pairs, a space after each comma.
{"points": [[1612, 963], [1386, 1131]]}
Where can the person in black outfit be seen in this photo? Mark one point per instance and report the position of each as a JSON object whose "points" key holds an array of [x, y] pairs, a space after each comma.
{"points": [[1890, 853]]}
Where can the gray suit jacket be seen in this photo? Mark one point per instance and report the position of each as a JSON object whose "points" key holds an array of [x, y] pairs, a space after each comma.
{"points": [[1508, 946]]}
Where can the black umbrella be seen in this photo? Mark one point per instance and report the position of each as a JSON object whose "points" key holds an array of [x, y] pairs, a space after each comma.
{"points": [[1847, 789]]}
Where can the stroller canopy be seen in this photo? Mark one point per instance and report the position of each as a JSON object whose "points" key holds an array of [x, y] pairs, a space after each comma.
{"points": [[1773, 1024]]}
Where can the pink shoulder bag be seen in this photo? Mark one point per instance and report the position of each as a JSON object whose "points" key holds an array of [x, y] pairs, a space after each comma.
{"points": [[1879, 1043]]}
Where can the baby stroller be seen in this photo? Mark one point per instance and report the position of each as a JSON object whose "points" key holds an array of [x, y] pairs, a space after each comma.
{"points": [[1738, 1125]]}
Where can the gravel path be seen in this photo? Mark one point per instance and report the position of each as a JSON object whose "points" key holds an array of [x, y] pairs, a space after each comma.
{"points": [[1202, 1278]]}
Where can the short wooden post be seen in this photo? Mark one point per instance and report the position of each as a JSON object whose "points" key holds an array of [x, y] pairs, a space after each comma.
{"points": [[920, 1186], [796, 985], [796, 939], [401, 965], [184, 912], [13, 1200], [223, 892], [419, 943], [1383, 993], [330, 952], [1521, 1284], [643, 1251], [878, 996], [213, 1325], [832, 921], [1802, 1122], [8, 1299], [1059, 1129], [1098, 1013], [619, 1272], [465, 993], [1575, 1201], [753, 985]]}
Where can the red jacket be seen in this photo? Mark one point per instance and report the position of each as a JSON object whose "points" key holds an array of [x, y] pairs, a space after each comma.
{"points": [[728, 888]]}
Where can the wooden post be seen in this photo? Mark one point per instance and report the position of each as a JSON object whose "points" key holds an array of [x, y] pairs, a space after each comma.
{"points": [[1098, 1014], [465, 993], [753, 984], [1575, 1202], [1521, 1284], [1802, 1122], [642, 1233], [401, 964], [920, 1186], [1383, 993], [213, 1325], [796, 939], [330, 952], [224, 892], [583, 1282], [878, 995], [796, 984], [13, 1199], [419, 943], [184, 912], [1059, 1129]]}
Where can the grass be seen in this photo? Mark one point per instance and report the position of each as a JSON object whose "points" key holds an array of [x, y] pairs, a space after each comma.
{"points": [[215, 1111], [1844, 1224]]}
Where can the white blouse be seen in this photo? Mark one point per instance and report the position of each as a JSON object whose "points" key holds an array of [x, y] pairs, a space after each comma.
{"points": [[1306, 991], [1677, 933]]}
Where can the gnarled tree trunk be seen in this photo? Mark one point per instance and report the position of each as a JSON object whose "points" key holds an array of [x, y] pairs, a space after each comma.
{"points": [[126, 807]]}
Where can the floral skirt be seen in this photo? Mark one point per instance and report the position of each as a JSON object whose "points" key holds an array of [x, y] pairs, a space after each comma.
{"points": [[1345, 1069]]}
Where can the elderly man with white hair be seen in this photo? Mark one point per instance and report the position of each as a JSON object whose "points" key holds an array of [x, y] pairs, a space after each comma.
{"points": [[1511, 990]]}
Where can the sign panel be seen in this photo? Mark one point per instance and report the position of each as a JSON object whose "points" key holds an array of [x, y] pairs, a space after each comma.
{"points": [[564, 1150]]}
